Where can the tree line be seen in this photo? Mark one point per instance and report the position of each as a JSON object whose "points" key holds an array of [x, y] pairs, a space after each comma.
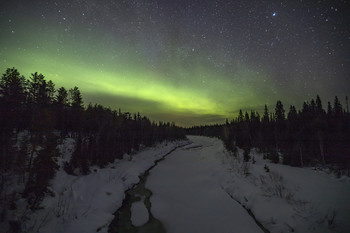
{"points": [[312, 135], [47, 116]]}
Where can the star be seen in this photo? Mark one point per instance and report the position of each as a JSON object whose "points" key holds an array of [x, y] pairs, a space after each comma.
{"points": [[241, 52]]}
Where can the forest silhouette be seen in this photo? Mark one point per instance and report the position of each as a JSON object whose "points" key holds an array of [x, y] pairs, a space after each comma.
{"points": [[35, 118], [310, 136], [46, 116]]}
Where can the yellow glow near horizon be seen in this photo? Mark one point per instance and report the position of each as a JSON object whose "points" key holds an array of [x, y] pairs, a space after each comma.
{"points": [[201, 91]]}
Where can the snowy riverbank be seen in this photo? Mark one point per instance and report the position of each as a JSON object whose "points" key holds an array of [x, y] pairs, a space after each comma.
{"points": [[198, 188], [87, 203], [289, 199], [187, 196], [188, 192]]}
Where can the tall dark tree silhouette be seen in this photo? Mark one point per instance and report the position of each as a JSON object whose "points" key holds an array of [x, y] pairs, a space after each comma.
{"points": [[13, 97], [44, 169], [279, 129], [337, 108], [308, 136], [77, 107], [12, 115], [62, 97], [37, 118], [61, 110]]}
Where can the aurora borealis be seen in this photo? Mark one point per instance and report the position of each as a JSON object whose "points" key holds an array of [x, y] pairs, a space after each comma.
{"points": [[191, 62]]}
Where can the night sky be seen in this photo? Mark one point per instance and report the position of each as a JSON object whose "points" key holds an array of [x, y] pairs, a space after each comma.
{"points": [[192, 62]]}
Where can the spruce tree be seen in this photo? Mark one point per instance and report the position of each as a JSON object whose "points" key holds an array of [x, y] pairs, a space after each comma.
{"points": [[279, 128], [43, 170], [337, 107], [265, 117]]}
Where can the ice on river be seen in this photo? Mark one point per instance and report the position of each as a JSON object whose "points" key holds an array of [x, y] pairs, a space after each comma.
{"points": [[139, 213], [187, 196], [197, 189]]}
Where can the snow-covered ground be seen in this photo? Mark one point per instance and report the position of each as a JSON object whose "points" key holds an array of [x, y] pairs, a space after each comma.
{"points": [[140, 213], [87, 203], [187, 196], [197, 188], [290, 199]]}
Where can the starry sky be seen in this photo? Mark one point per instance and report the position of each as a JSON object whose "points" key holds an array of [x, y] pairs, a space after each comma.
{"points": [[187, 61]]}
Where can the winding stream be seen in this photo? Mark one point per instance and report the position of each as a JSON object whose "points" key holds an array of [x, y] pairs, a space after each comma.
{"points": [[185, 210], [122, 221]]}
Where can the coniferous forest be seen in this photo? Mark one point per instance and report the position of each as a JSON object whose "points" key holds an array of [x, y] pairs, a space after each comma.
{"points": [[46, 116], [35, 117], [303, 137], [174, 116]]}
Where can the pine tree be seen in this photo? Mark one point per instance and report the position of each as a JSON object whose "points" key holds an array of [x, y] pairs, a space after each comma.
{"points": [[319, 107], [246, 117], [279, 125], [39, 90], [43, 170], [50, 92], [12, 112], [12, 99], [337, 107], [292, 114], [79, 158], [246, 156], [265, 117], [76, 98], [240, 116], [77, 109], [329, 109], [62, 97], [279, 112], [291, 148], [62, 110]]}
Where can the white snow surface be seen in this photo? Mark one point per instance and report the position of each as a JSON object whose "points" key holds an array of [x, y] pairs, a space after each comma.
{"points": [[187, 196], [196, 189], [139, 213], [87, 203]]}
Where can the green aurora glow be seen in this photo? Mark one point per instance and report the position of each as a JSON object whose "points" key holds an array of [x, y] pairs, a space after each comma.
{"points": [[113, 80], [140, 84], [167, 79]]}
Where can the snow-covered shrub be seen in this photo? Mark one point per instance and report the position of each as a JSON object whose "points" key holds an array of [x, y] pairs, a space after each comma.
{"points": [[246, 155], [43, 170], [273, 184], [62, 206], [246, 168], [267, 169], [329, 218]]}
